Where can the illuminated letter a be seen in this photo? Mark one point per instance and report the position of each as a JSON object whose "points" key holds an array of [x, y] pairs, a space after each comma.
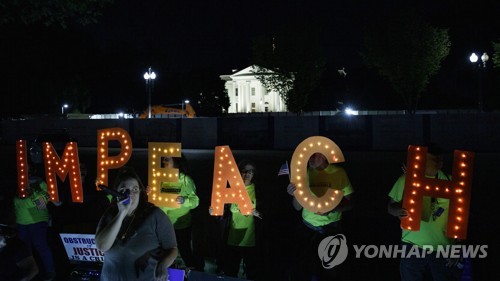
{"points": [[226, 170]]}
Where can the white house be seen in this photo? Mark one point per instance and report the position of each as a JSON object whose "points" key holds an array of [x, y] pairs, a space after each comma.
{"points": [[247, 94]]}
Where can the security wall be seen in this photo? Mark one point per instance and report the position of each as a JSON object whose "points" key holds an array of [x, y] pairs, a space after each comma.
{"points": [[476, 132]]}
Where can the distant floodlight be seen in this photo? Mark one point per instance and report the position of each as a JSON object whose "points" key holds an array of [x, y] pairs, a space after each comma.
{"points": [[149, 76], [485, 57], [63, 107], [186, 101], [350, 111], [473, 57]]}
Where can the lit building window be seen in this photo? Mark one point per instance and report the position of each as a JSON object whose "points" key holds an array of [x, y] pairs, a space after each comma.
{"points": [[253, 91], [253, 106]]}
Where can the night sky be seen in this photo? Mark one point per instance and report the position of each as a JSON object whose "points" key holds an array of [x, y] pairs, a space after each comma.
{"points": [[190, 43]]}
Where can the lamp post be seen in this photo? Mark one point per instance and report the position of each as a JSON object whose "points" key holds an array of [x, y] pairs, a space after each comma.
{"points": [[474, 59], [63, 107], [182, 104], [150, 77]]}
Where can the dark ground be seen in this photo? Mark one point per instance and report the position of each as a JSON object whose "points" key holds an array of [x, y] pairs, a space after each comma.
{"points": [[372, 175]]}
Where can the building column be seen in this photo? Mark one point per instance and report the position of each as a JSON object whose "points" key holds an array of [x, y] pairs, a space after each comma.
{"points": [[248, 93]]}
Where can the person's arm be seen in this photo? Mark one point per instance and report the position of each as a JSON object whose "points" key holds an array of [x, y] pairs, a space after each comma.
{"points": [[164, 263], [28, 268], [164, 258], [344, 205], [168, 251], [395, 208], [189, 199], [106, 235], [291, 190]]}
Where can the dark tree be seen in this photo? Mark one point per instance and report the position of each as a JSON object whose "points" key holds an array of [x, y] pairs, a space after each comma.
{"points": [[407, 51], [205, 91], [52, 12], [291, 63], [496, 53], [46, 58]]}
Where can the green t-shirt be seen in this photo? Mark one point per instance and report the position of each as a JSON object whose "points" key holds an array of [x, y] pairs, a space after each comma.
{"points": [[332, 177], [33, 209], [242, 228], [433, 231], [181, 216]]}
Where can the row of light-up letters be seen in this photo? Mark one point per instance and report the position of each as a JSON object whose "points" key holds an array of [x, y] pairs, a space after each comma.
{"points": [[417, 185]]}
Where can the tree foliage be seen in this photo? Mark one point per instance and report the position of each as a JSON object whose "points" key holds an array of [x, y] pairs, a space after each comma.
{"points": [[212, 103], [496, 53], [407, 51], [76, 93], [52, 12], [291, 63], [205, 91]]}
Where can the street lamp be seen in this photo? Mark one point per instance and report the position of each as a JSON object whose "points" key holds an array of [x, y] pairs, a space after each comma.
{"points": [[150, 77], [185, 102], [63, 107], [474, 59]]}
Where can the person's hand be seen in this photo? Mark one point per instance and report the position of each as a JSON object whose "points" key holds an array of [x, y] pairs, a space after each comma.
{"points": [[161, 272], [399, 212], [395, 209], [211, 210], [57, 203], [122, 207], [180, 200], [141, 263], [291, 188], [256, 213]]}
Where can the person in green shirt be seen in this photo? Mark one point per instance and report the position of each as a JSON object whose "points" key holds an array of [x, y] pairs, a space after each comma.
{"points": [[432, 226], [317, 226], [239, 234], [181, 217], [32, 219]]}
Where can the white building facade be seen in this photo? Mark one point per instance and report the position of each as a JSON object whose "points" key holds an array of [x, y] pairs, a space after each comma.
{"points": [[247, 94]]}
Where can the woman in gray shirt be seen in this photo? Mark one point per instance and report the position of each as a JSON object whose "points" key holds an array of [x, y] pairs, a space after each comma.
{"points": [[137, 238]]}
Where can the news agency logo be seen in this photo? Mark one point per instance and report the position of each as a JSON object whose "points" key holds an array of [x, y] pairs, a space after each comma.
{"points": [[333, 251], [414, 251]]}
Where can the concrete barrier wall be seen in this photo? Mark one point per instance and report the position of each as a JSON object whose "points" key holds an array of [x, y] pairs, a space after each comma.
{"points": [[290, 131], [476, 132], [245, 132], [199, 133], [143, 131], [347, 132], [396, 132], [85, 132]]}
